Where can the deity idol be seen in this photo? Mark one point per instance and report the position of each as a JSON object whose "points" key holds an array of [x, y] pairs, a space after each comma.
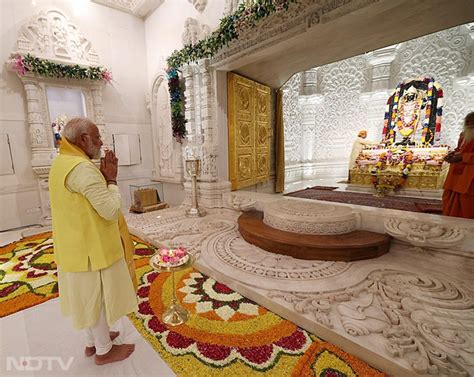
{"points": [[409, 114], [413, 113]]}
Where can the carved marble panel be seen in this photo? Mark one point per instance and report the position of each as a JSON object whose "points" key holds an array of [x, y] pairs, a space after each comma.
{"points": [[50, 34], [166, 151], [282, 25], [199, 5], [423, 318]]}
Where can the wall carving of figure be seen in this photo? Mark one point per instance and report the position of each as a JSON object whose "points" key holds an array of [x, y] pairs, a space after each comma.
{"points": [[167, 166], [204, 31], [199, 5], [194, 31], [50, 34], [191, 31]]}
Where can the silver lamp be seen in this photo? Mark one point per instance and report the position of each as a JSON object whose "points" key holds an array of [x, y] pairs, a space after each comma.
{"points": [[193, 167]]}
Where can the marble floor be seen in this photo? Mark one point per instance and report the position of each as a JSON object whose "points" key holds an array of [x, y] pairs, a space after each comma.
{"points": [[41, 331], [409, 312]]}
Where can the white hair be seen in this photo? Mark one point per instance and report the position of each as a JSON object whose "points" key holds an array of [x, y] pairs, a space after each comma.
{"points": [[75, 128]]}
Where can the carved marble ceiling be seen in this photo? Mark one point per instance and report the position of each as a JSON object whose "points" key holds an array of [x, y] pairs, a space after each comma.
{"points": [[139, 8]]}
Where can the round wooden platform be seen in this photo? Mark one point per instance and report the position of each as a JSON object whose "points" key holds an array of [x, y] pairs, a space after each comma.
{"points": [[356, 245]]}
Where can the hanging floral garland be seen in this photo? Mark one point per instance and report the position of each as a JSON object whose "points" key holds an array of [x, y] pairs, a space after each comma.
{"points": [[431, 132], [245, 17], [178, 120], [46, 68]]}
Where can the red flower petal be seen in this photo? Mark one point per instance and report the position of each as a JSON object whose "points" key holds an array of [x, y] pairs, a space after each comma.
{"points": [[176, 340], [214, 352], [143, 291], [222, 288], [7, 290], [152, 276], [145, 308], [156, 325], [293, 342], [257, 355], [18, 267], [32, 274]]}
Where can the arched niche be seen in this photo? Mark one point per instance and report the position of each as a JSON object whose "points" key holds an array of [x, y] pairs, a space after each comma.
{"points": [[51, 35], [168, 165]]}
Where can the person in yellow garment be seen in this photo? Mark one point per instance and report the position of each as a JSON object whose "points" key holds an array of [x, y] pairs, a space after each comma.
{"points": [[92, 246]]}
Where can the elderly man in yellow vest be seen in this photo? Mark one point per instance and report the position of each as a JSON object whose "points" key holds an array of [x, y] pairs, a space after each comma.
{"points": [[95, 285]]}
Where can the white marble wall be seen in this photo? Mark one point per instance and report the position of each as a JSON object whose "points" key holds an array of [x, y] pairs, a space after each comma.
{"points": [[351, 94], [123, 103]]}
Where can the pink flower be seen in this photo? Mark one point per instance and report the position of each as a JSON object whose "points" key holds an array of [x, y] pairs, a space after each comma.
{"points": [[107, 76], [18, 65], [172, 255]]}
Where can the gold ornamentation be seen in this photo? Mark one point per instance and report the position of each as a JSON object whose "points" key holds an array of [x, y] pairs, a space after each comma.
{"points": [[244, 134], [248, 105]]}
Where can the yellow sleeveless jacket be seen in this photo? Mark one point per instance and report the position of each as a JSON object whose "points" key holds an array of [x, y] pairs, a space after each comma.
{"points": [[80, 235]]}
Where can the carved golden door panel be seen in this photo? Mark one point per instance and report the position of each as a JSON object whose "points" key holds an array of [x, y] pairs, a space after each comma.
{"points": [[249, 119]]}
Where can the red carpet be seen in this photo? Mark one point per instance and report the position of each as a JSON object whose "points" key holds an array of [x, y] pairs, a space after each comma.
{"points": [[403, 203]]}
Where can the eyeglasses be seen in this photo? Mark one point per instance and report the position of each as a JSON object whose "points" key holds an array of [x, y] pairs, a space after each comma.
{"points": [[96, 136]]}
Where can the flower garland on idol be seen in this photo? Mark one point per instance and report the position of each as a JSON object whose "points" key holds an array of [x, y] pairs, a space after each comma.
{"points": [[47, 68], [431, 132]]}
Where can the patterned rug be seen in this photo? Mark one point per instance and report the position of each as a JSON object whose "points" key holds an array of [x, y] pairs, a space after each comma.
{"points": [[230, 335], [226, 335], [28, 274], [403, 203]]}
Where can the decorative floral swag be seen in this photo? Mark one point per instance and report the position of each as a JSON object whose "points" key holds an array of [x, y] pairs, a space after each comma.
{"points": [[245, 17], [46, 68]]}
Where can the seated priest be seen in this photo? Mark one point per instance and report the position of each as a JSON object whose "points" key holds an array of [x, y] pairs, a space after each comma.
{"points": [[458, 195], [357, 147], [91, 241]]}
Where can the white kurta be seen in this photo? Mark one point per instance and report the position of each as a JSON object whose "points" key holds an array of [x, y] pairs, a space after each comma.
{"points": [[357, 147], [82, 294]]}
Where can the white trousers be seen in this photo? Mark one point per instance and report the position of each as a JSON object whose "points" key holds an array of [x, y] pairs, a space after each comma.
{"points": [[98, 336]]}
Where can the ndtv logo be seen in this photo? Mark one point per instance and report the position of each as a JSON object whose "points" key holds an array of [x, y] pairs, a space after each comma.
{"points": [[34, 363]]}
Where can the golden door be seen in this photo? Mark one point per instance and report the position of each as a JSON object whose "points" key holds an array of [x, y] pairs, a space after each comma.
{"points": [[248, 109]]}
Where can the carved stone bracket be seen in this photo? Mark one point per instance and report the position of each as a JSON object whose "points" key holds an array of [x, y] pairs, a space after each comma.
{"points": [[424, 234]]}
